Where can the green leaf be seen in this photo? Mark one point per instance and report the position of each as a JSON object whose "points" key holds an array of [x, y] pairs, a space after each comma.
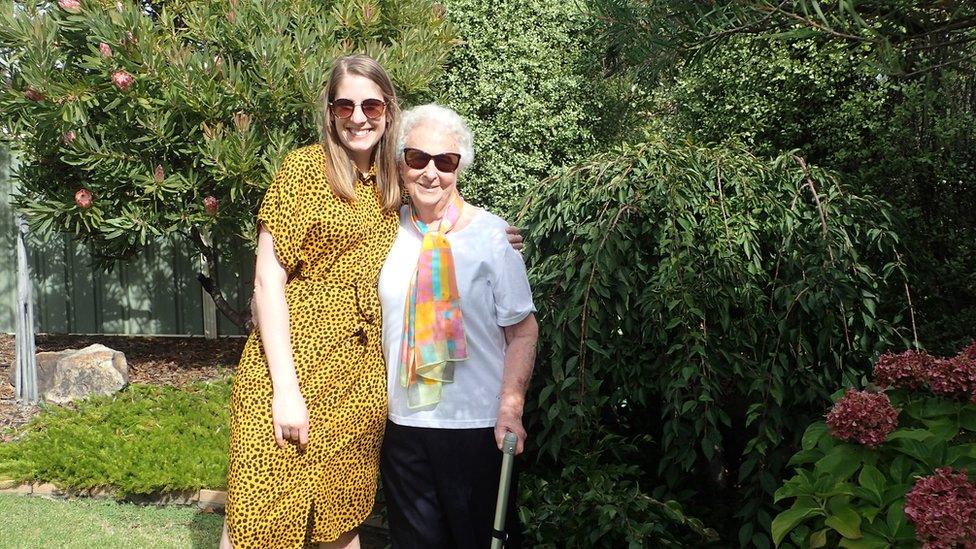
{"points": [[869, 541], [813, 434], [841, 462], [818, 538], [845, 521], [873, 480], [910, 434], [802, 509], [967, 418]]}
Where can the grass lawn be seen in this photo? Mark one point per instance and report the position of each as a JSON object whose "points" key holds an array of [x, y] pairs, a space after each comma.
{"points": [[35, 522]]}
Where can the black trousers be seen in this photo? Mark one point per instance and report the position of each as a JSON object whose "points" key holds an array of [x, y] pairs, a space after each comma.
{"points": [[441, 486]]}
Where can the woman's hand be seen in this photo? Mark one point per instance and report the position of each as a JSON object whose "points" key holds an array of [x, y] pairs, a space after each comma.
{"points": [[514, 237], [289, 415], [510, 421]]}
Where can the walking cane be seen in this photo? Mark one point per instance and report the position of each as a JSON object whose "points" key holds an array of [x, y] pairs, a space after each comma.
{"points": [[498, 536]]}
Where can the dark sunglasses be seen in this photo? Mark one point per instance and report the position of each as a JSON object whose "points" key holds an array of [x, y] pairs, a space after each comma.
{"points": [[418, 160], [343, 108]]}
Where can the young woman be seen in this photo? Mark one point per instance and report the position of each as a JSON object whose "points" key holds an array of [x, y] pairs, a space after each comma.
{"points": [[309, 398]]}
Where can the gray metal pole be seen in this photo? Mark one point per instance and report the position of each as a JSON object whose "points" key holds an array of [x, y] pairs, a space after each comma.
{"points": [[504, 486], [26, 362]]}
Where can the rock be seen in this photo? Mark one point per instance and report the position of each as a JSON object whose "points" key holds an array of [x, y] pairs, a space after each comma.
{"points": [[69, 375], [47, 362]]}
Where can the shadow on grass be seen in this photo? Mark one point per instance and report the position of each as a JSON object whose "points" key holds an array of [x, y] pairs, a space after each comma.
{"points": [[205, 530]]}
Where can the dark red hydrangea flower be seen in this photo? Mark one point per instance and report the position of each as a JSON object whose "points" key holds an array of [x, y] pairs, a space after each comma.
{"points": [[943, 509], [905, 370], [953, 376], [970, 351], [862, 416]]}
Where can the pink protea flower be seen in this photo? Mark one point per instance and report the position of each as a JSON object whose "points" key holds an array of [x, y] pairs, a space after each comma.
{"points": [[942, 507], [68, 137], [33, 94], [83, 198], [210, 204], [952, 376], [122, 80], [105, 50], [906, 370], [70, 6], [862, 416]]}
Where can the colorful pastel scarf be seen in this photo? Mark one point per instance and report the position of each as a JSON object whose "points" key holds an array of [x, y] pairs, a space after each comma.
{"points": [[433, 330]]}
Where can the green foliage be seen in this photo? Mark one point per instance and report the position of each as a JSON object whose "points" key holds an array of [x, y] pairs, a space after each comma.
{"points": [[219, 93], [145, 439], [524, 79], [896, 36], [909, 141], [844, 492], [708, 298], [595, 501]]}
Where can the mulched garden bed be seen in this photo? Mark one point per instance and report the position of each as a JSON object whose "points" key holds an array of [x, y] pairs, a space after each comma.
{"points": [[174, 361]]}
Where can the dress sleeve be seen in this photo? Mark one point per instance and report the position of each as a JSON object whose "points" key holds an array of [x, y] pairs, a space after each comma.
{"points": [[280, 213], [509, 282]]}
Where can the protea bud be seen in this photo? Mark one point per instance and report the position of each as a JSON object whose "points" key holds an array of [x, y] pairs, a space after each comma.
{"points": [[32, 94], [369, 12], [122, 80], [105, 49], [232, 17], [68, 137], [130, 39], [242, 122], [83, 198], [70, 6], [439, 11], [210, 204], [159, 175]]}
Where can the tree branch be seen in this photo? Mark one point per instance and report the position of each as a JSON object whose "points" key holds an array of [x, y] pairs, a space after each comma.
{"points": [[241, 319]]}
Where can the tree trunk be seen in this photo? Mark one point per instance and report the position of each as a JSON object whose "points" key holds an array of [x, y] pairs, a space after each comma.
{"points": [[242, 319]]}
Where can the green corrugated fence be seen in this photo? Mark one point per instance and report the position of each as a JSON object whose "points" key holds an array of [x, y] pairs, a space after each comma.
{"points": [[157, 293]]}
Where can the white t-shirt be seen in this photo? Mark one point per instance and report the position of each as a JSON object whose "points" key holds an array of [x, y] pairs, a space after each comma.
{"points": [[494, 293]]}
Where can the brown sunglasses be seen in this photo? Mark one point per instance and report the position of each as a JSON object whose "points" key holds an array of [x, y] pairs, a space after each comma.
{"points": [[343, 108], [418, 160]]}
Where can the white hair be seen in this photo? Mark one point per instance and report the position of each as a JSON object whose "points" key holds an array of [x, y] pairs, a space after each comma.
{"points": [[445, 119]]}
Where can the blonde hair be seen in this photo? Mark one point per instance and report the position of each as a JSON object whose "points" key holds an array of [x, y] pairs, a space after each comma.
{"points": [[339, 168]]}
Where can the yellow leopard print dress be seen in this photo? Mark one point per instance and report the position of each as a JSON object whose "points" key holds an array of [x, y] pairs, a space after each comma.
{"points": [[333, 251]]}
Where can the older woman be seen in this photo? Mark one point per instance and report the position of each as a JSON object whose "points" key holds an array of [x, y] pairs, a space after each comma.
{"points": [[459, 339]]}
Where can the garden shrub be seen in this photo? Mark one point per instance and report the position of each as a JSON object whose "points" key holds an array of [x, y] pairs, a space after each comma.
{"points": [[524, 79], [699, 304], [907, 140], [142, 440], [888, 466], [136, 121], [594, 500]]}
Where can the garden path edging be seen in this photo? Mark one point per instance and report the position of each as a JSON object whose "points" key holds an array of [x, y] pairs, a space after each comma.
{"points": [[204, 499]]}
